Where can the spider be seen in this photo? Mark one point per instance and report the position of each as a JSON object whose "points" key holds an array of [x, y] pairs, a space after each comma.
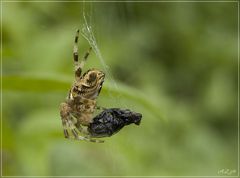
{"points": [[77, 110]]}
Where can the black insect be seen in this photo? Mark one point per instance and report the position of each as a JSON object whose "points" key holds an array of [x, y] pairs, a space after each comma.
{"points": [[111, 120]]}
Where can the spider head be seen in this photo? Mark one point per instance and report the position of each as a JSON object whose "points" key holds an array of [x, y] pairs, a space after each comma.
{"points": [[92, 82]]}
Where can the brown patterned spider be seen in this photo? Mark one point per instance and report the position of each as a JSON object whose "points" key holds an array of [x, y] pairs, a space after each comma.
{"points": [[78, 109]]}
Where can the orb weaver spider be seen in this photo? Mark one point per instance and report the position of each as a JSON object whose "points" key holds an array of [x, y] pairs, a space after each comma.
{"points": [[78, 109]]}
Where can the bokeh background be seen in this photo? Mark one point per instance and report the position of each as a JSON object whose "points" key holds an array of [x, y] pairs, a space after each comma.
{"points": [[175, 62]]}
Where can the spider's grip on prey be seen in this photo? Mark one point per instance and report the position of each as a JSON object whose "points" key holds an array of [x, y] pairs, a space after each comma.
{"points": [[77, 111]]}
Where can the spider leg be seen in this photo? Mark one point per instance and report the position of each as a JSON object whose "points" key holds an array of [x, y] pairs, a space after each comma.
{"points": [[79, 66], [100, 108], [79, 127], [85, 132], [89, 139], [66, 120], [78, 69], [64, 113], [75, 48], [85, 57], [79, 137], [73, 129], [65, 132], [67, 124]]}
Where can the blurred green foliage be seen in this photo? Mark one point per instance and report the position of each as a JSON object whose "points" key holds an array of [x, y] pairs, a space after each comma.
{"points": [[176, 63]]}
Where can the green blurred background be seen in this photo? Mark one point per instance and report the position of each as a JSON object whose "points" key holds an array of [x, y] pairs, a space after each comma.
{"points": [[176, 63]]}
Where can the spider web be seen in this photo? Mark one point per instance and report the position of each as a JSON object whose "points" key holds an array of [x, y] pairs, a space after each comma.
{"points": [[88, 34]]}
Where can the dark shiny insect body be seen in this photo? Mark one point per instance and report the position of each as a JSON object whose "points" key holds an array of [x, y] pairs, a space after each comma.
{"points": [[112, 120]]}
